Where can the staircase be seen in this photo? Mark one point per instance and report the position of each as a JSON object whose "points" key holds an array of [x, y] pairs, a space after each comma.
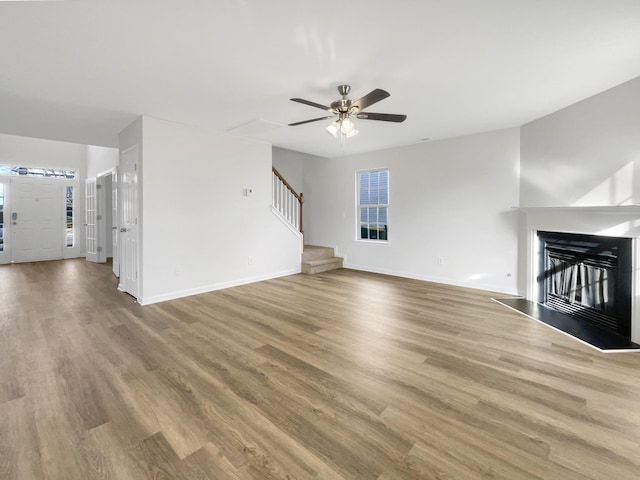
{"points": [[319, 259], [287, 203]]}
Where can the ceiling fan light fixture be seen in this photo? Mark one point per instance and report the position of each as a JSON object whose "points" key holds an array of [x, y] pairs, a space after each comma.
{"points": [[352, 133], [334, 128], [346, 125]]}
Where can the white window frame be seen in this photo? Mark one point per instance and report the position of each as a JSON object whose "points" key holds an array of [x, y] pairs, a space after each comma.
{"points": [[359, 206]]}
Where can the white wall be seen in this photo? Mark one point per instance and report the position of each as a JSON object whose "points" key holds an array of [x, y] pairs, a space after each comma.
{"points": [[36, 152], [451, 198], [585, 154], [100, 160], [290, 165], [199, 231]]}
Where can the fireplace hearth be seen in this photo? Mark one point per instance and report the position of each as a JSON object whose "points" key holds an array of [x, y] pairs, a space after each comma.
{"points": [[587, 277]]}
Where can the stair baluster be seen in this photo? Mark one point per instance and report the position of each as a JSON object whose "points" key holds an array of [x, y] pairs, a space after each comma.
{"points": [[286, 200]]}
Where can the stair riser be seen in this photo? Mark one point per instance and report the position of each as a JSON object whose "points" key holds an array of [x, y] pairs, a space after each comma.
{"points": [[322, 267]]}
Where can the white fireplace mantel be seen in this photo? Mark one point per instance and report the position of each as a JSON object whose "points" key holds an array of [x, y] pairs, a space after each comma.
{"points": [[600, 209], [611, 221]]}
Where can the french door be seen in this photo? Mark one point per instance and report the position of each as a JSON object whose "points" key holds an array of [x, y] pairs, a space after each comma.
{"points": [[91, 227]]}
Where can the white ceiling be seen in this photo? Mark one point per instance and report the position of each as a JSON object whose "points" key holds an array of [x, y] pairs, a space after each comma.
{"points": [[81, 71]]}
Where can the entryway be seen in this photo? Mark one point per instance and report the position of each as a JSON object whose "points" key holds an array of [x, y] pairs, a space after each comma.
{"points": [[37, 219]]}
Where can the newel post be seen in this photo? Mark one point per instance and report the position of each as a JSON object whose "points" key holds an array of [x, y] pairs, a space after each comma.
{"points": [[301, 202]]}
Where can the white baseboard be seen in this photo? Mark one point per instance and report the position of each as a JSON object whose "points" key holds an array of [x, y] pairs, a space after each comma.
{"points": [[443, 281], [214, 287]]}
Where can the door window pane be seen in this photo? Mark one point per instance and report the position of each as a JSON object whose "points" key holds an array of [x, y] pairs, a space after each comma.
{"points": [[1, 217], [69, 217]]}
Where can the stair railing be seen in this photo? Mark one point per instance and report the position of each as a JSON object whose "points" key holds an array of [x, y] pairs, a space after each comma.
{"points": [[286, 200]]}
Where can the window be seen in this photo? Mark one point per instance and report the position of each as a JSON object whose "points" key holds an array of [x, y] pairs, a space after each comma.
{"points": [[69, 217], [37, 172], [1, 217], [373, 204]]}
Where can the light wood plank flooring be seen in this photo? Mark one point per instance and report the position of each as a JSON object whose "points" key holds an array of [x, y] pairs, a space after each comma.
{"points": [[341, 375]]}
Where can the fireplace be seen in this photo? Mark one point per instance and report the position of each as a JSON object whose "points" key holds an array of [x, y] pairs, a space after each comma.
{"points": [[587, 277]]}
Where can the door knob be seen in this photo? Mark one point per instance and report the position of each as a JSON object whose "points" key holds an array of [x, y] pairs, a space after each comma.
{"points": [[114, 228], [123, 229]]}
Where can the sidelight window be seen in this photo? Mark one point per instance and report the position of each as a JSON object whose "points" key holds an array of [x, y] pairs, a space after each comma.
{"points": [[373, 204], [69, 216], [1, 217]]}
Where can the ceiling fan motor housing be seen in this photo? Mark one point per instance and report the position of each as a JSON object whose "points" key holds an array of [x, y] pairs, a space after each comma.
{"points": [[344, 105], [341, 106]]}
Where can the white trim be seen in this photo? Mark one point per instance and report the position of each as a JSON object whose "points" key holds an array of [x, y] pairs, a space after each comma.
{"points": [[284, 220], [427, 278], [214, 287], [111, 171], [371, 242]]}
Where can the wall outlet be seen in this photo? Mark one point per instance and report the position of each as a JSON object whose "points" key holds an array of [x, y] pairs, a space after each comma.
{"points": [[440, 260], [250, 260]]}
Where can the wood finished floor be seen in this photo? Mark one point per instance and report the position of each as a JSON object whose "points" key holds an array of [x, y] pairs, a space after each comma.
{"points": [[341, 375]]}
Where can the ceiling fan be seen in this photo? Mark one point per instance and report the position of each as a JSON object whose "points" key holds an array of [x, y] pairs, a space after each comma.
{"points": [[346, 110]]}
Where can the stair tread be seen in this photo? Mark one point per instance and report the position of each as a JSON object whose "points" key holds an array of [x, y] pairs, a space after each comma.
{"points": [[322, 261]]}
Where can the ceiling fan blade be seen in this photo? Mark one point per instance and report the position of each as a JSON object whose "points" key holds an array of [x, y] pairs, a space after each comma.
{"points": [[311, 104], [309, 121], [385, 117], [370, 98]]}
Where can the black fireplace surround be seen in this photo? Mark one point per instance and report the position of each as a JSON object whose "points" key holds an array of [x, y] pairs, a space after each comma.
{"points": [[588, 277]]}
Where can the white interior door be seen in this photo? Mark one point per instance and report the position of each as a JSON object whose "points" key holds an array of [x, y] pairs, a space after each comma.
{"points": [[91, 212], [129, 221], [36, 219], [102, 207], [114, 223]]}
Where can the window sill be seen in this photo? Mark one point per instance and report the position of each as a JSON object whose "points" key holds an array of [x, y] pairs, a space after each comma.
{"points": [[372, 242]]}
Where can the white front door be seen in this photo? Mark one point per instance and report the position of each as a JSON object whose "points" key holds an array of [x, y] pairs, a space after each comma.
{"points": [[91, 227], [4, 217], [36, 219], [114, 224], [129, 221]]}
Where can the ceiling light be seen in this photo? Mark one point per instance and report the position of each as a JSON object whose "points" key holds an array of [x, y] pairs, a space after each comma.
{"points": [[334, 128], [344, 125], [347, 126], [352, 133]]}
